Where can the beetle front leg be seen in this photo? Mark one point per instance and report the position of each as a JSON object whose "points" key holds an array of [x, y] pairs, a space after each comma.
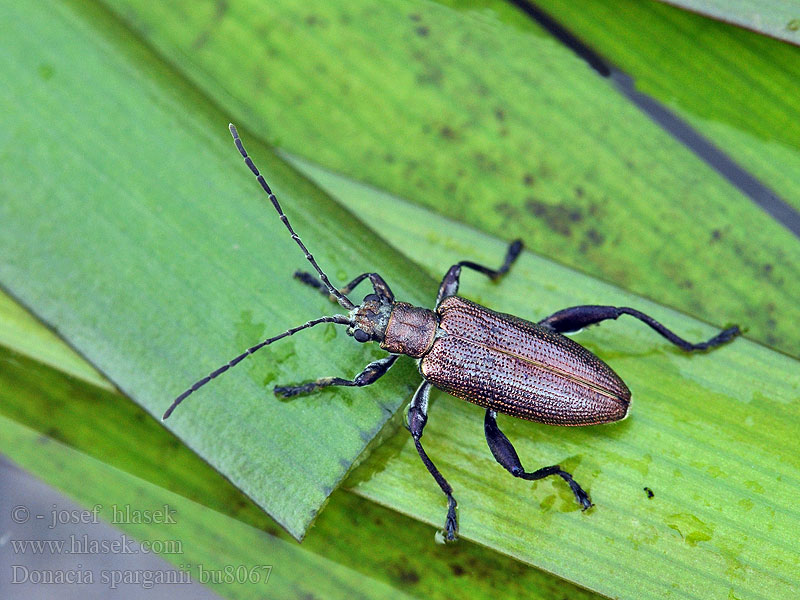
{"points": [[371, 373], [449, 285], [578, 317], [504, 453], [417, 417], [380, 287]]}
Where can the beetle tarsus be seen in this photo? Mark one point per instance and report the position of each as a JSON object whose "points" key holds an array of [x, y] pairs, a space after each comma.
{"points": [[580, 495], [451, 521]]}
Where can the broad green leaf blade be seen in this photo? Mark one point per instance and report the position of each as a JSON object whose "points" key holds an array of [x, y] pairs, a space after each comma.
{"points": [[131, 226], [475, 112], [778, 18], [355, 547], [714, 435], [733, 90]]}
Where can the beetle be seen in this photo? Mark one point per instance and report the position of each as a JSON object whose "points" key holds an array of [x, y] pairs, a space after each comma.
{"points": [[500, 362]]}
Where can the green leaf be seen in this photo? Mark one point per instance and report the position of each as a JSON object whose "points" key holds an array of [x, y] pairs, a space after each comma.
{"points": [[87, 441], [713, 435], [473, 111], [131, 226], [778, 18]]}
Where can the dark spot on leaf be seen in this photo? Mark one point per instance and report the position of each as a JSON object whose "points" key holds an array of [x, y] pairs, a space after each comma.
{"points": [[686, 284], [579, 192], [389, 158], [432, 75], [46, 71], [407, 576], [422, 31], [499, 114], [344, 463], [314, 20], [457, 570], [484, 162], [507, 210], [415, 17], [53, 433], [595, 237], [716, 235], [528, 179], [447, 132], [220, 8], [768, 268], [558, 217], [649, 492]]}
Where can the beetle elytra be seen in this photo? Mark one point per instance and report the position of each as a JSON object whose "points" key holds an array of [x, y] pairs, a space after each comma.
{"points": [[500, 362]]}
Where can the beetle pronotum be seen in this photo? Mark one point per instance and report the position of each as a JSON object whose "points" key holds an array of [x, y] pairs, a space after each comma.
{"points": [[498, 361]]}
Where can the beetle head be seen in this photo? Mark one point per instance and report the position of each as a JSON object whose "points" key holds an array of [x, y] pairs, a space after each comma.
{"points": [[368, 321]]}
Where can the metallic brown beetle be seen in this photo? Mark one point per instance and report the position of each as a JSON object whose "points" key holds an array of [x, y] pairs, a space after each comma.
{"points": [[497, 361]]}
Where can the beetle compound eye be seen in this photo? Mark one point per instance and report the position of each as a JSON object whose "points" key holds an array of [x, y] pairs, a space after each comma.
{"points": [[361, 335]]}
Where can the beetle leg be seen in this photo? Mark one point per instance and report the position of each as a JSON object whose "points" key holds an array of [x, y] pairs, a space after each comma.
{"points": [[378, 284], [417, 417], [577, 317], [371, 373], [504, 453], [449, 285]]}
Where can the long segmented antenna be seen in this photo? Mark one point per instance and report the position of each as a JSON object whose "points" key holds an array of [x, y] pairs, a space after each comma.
{"points": [[343, 300], [340, 319]]}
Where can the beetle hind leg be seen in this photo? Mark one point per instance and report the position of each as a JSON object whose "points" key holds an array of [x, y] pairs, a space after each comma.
{"points": [[505, 454], [417, 417], [577, 317]]}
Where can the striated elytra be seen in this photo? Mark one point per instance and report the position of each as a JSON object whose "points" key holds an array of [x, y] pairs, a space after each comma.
{"points": [[498, 361]]}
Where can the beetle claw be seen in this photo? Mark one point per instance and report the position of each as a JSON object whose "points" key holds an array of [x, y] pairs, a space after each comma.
{"points": [[451, 522]]}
